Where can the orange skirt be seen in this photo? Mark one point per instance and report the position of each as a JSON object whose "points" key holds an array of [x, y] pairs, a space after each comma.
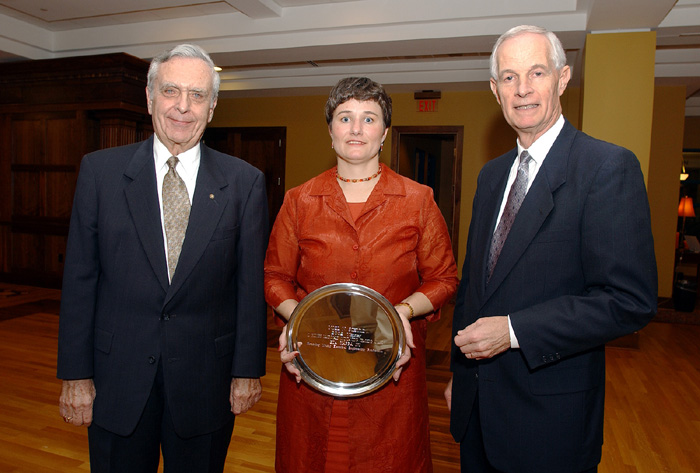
{"points": [[338, 456]]}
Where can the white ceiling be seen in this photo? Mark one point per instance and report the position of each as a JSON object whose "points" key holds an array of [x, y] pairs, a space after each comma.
{"points": [[282, 47]]}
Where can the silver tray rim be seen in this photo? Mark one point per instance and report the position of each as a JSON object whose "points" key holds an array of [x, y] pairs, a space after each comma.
{"points": [[335, 388]]}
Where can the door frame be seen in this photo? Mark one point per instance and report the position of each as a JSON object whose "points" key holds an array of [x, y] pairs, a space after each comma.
{"points": [[397, 132]]}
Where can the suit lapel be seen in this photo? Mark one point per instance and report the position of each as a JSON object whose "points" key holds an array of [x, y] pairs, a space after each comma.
{"points": [[208, 204], [492, 199], [535, 209], [335, 200], [326, 187], [142, 199], [390, 183]]}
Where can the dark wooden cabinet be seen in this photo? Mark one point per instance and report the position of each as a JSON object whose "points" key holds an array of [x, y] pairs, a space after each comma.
{"points": [[52, 112]]}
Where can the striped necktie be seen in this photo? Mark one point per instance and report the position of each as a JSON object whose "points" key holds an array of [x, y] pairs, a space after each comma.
{"points": [[515, 200], [176, 213]]}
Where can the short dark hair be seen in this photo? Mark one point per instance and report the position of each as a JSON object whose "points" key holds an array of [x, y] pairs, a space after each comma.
{"points": [[361, 89]]}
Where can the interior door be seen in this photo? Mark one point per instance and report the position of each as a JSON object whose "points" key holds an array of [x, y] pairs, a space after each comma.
{"points": [[432, 155]]}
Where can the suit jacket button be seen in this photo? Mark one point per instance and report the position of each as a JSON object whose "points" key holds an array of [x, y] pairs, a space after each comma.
{"points": [[151, 359]]}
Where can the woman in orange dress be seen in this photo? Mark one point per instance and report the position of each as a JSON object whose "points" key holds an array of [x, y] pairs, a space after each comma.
{"points": [[361, 223]]}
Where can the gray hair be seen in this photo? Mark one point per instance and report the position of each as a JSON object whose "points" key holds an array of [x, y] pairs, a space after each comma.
{"points": [[187, 51], [557, 56]]}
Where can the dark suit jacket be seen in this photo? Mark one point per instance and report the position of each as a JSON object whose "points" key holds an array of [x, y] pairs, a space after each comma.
{"points": [[119, 315], [576, 271]]}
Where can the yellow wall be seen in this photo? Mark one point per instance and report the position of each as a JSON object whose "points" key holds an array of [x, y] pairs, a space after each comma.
{"points": [[618, 98], [308, 145], [663, 183], [486, 134]]}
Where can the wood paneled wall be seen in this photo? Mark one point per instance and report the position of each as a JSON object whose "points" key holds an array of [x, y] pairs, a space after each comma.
{"points": [[52, 112]]}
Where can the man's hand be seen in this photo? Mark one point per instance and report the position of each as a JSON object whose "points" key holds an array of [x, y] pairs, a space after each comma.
{"points": [[485, 338], [245, 392], [75, 402]]}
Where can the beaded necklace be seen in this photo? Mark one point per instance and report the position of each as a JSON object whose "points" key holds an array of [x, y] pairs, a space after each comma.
{"points": [[376, 174]]}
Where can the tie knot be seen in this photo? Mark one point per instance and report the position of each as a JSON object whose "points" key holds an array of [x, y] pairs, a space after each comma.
{"points": [[524, 157], [172, 162]]}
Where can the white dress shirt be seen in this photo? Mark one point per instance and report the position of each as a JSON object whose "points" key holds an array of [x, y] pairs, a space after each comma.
{"points": [[187, 168], [538, 151]]}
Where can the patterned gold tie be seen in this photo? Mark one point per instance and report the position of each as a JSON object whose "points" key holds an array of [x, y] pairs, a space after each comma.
{"points": [[176, 213], [515, 200]]}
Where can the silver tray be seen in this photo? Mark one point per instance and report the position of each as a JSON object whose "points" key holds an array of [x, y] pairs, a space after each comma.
{"points": [[349, 338]]}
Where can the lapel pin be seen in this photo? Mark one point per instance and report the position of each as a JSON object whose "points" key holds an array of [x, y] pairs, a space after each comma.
{"points": [[211, 196]]}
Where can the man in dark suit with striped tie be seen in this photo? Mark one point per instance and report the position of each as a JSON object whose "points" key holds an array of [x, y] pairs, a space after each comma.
{"points": [[162, 333], [559, 261]]}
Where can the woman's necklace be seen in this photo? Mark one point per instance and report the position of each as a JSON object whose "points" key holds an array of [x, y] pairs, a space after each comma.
{"points": [[376, 174]]}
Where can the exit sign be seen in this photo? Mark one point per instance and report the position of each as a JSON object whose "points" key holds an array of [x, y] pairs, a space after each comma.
{"points": [[427, 105]]}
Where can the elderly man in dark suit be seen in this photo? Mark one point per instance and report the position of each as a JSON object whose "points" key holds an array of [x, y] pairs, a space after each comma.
{"points": [[554, 269], [162, 327]]}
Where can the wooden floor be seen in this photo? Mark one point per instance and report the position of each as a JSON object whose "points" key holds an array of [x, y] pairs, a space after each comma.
{"points": [[652, 419]]}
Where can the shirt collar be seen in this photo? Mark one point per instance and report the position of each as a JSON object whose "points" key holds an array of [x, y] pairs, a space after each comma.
{"points": [[543, 144], [188, 160], [389, 183]]}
